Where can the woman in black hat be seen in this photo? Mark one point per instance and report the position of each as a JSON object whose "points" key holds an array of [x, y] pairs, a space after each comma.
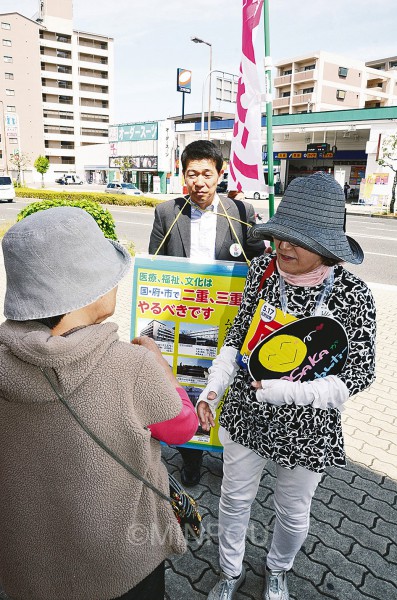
{"points": [[294, 420]]}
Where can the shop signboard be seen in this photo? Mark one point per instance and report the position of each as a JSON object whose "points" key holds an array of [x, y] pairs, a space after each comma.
{"points": [[137, 163], [133, 132], [298, 155], [183, 81]]}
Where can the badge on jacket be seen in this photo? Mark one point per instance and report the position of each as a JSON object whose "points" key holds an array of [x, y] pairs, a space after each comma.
{"points": [[235, 250]]}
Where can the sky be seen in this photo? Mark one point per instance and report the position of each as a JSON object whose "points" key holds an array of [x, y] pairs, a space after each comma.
{"points": [[152, 40]]}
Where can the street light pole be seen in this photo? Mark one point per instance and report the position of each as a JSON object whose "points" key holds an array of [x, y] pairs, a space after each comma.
{"points": [[197, 40], [5, 135]]}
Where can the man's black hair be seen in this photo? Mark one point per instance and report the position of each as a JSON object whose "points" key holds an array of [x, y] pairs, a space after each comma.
{"points": [[201, 150]]}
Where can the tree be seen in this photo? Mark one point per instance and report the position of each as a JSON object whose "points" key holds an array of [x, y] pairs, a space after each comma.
{"points": [[42, 164], [389, 159], [124, 164], [20, 160]]}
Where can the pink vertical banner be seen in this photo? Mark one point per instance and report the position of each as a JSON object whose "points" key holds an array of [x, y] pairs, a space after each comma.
{"points": [[245, 167]]}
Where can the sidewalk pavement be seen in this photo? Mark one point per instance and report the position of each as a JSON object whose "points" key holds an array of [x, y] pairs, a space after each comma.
{"points": [[350, 553]]}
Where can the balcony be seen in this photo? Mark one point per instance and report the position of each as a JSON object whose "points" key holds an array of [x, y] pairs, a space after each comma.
{"points": [[282, 80], [310, 75], [56, 60], [281, 102], [60, 152], [54, 44], [91, 80], [302, 99]]}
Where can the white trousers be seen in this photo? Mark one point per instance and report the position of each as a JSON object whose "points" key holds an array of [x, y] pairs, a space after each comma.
{"points": [[242, 470]]}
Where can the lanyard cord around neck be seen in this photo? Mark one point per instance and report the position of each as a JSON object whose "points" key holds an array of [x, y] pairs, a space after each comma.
{"points": [[321, 296], [224, 214]]}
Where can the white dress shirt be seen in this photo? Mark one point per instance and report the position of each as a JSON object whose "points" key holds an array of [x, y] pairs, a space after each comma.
{"points": [[203, 231]]}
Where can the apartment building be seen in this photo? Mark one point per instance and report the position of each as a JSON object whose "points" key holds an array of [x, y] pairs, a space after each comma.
{"points": [[60, 82], [323, 81], [384, 64]]}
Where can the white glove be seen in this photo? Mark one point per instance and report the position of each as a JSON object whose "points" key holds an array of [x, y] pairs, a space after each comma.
{"points": [[220, 376], [325, 392]]}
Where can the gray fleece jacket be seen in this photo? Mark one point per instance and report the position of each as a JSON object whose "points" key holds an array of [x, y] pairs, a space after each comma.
{"points": [[73, 523]]}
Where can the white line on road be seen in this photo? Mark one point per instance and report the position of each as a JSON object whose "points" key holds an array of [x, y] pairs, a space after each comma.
{"points": [[380, 254], [134, 223], [372, 237]]}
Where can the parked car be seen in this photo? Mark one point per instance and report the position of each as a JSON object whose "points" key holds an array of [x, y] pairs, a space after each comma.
{"points": [[7, 190], [221, 188], [69, 180], [123, 188]]}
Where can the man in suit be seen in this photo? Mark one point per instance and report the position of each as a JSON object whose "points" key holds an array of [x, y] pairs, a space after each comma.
{"points": [[201, 226]]}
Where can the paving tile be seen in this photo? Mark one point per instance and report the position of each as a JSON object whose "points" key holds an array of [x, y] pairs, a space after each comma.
{"points": [[335, 561], [353, 511], [366, 537], [375, 587]]}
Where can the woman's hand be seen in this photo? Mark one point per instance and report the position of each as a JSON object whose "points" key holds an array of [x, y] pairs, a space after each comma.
{"points": [[148, 343], [205, 414]]}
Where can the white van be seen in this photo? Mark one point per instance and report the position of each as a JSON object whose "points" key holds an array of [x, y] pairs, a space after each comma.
{"points": [[7, 190], [70, 180]]}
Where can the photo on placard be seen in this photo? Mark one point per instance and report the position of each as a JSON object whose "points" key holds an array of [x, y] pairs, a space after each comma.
{"points": [[192, 370], [198, 340], [162, 332]]}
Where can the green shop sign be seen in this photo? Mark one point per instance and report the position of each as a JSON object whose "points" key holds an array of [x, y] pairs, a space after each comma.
{"points": [[133, 132]]}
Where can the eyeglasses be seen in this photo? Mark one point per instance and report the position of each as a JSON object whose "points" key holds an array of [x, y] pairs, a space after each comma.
{"points": [[278, 242]]}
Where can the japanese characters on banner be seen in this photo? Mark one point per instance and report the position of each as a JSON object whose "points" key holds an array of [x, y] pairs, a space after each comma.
{"points": [[187, 308], [245, 168]]}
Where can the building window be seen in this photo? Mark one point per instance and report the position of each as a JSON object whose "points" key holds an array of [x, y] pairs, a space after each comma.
{"points": [[287, 72], [7, 59], [393, 64], [286, 94], [12, 140], [7, 43], [308, 90], [10, 92], [9, 75], [5, 25], [309, 67], [11, 108], [65, 100], [63, 54], [67, 85], [1, 153], [342, 71], [340, 94], [67, 160], [64, 69], [65, 39]]}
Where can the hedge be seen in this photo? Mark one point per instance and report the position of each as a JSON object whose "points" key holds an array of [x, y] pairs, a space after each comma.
{"points": [[101, 215], [102, 198]]}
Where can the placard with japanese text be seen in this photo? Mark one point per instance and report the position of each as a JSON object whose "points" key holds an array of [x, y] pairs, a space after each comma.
{"points": [[187, 308]]}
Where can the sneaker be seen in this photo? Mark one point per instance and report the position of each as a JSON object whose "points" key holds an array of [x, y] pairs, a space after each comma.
{"points": [[276, 587], [226, 587]]}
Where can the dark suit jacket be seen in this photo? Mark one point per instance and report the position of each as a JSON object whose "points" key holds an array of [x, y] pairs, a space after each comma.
{"points": [[178, 240]]}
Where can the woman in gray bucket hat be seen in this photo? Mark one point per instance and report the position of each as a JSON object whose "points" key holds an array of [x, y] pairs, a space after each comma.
{"points": [[290, 417], [73, 522]]}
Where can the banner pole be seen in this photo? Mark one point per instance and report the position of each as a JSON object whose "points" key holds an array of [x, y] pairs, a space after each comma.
{"points": [[269, 109]]}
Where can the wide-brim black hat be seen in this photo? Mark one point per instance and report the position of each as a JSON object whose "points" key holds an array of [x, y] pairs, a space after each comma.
{"points": [[312, 215]]}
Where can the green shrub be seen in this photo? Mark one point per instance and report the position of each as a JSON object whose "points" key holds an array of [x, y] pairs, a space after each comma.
{"points": [[101, 215], [119, 199]]}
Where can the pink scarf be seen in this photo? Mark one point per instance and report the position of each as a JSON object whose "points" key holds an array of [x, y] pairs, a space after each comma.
{"points": [[311, 279]]}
